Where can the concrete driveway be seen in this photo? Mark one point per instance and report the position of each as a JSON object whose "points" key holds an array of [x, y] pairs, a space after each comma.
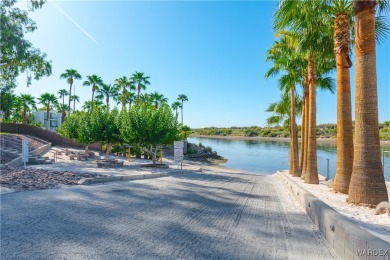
{"points": [[196, 215]]}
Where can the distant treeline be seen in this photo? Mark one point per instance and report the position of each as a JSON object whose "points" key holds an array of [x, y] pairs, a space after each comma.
{"points": [[323, 131]]}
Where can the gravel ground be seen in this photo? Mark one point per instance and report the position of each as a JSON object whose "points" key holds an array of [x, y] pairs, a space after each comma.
{"points": [[14, 142], [205, 215], [20, 179]]}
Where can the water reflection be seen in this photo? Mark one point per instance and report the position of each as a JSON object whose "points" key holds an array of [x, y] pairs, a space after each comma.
{"points": [[266, 157]]}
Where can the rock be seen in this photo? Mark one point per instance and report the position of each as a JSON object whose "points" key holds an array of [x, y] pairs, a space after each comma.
{"points": [[382, 208]]}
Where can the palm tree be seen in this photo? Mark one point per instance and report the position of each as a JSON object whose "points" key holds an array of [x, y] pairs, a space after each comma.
{"points": [[175, 105], [94, 81], [27, 101], [140, 81], [74, 98], [342, 10], [308, 19], [286, 58], [88, 105], [182, 98], [70, 75], [62, 93], [158, 98], [106, 91], [48, 99], [367, 184], [62, 108], [17, 105], [342, 48], [130, 99], [127, 86]]}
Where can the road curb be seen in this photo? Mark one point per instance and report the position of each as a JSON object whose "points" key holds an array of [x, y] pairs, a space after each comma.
{"points": [[88, 181], [344, 236]]}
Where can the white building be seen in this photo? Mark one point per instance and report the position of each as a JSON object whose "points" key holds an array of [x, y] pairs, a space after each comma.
{"points": [[54, 119]]}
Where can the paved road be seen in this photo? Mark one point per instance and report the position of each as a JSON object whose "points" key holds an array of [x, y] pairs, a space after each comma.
{"points": [[195, 215]]}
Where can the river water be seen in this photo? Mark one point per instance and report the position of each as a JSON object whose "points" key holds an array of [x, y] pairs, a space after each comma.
{"points": [[266, 157]]}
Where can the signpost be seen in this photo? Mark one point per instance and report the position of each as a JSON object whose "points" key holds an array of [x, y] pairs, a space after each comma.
{"points": [[24, 152], [178, 153]]}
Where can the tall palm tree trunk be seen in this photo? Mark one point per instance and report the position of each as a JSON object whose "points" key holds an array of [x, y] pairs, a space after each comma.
{"points": [[70, 93], [24, 115], [47, 115], [139, 90], [306, 123], [344, 111], [107, 102], [74, 106], [294, 137], [182, 103], [311, 175], [302, 135], [367, 184], [124, 98], [93, 95]]}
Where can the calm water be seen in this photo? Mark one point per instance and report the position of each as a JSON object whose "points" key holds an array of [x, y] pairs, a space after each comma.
{"points": [[266, 157]]}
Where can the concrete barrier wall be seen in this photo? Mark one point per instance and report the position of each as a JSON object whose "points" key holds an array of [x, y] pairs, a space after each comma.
{"points": [[346, 238], [17, 162], [43, 134]]}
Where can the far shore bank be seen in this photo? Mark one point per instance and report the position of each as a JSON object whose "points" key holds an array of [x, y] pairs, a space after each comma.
{"points": [[275, 139]]}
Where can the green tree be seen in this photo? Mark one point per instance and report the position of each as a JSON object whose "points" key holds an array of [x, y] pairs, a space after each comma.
{"points": [[17, 54], [110, 133], [70, 127], [70, 75], [149, 127], [140, 81], [6, 103], [182, 98], [83, 127], [48, 100], [94, 81]]}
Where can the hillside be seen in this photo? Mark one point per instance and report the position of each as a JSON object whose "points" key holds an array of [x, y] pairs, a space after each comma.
{"points": [[323, 131]]}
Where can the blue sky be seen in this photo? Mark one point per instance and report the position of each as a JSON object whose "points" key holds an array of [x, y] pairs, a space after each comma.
{"points": [[211, 51]]}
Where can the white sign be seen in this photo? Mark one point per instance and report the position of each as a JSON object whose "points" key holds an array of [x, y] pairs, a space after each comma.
{"points": [[24, 151], [178, 145], [178, 152]]}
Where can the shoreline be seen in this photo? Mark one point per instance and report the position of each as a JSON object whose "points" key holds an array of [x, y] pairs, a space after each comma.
{"points": [[273, 139]]}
